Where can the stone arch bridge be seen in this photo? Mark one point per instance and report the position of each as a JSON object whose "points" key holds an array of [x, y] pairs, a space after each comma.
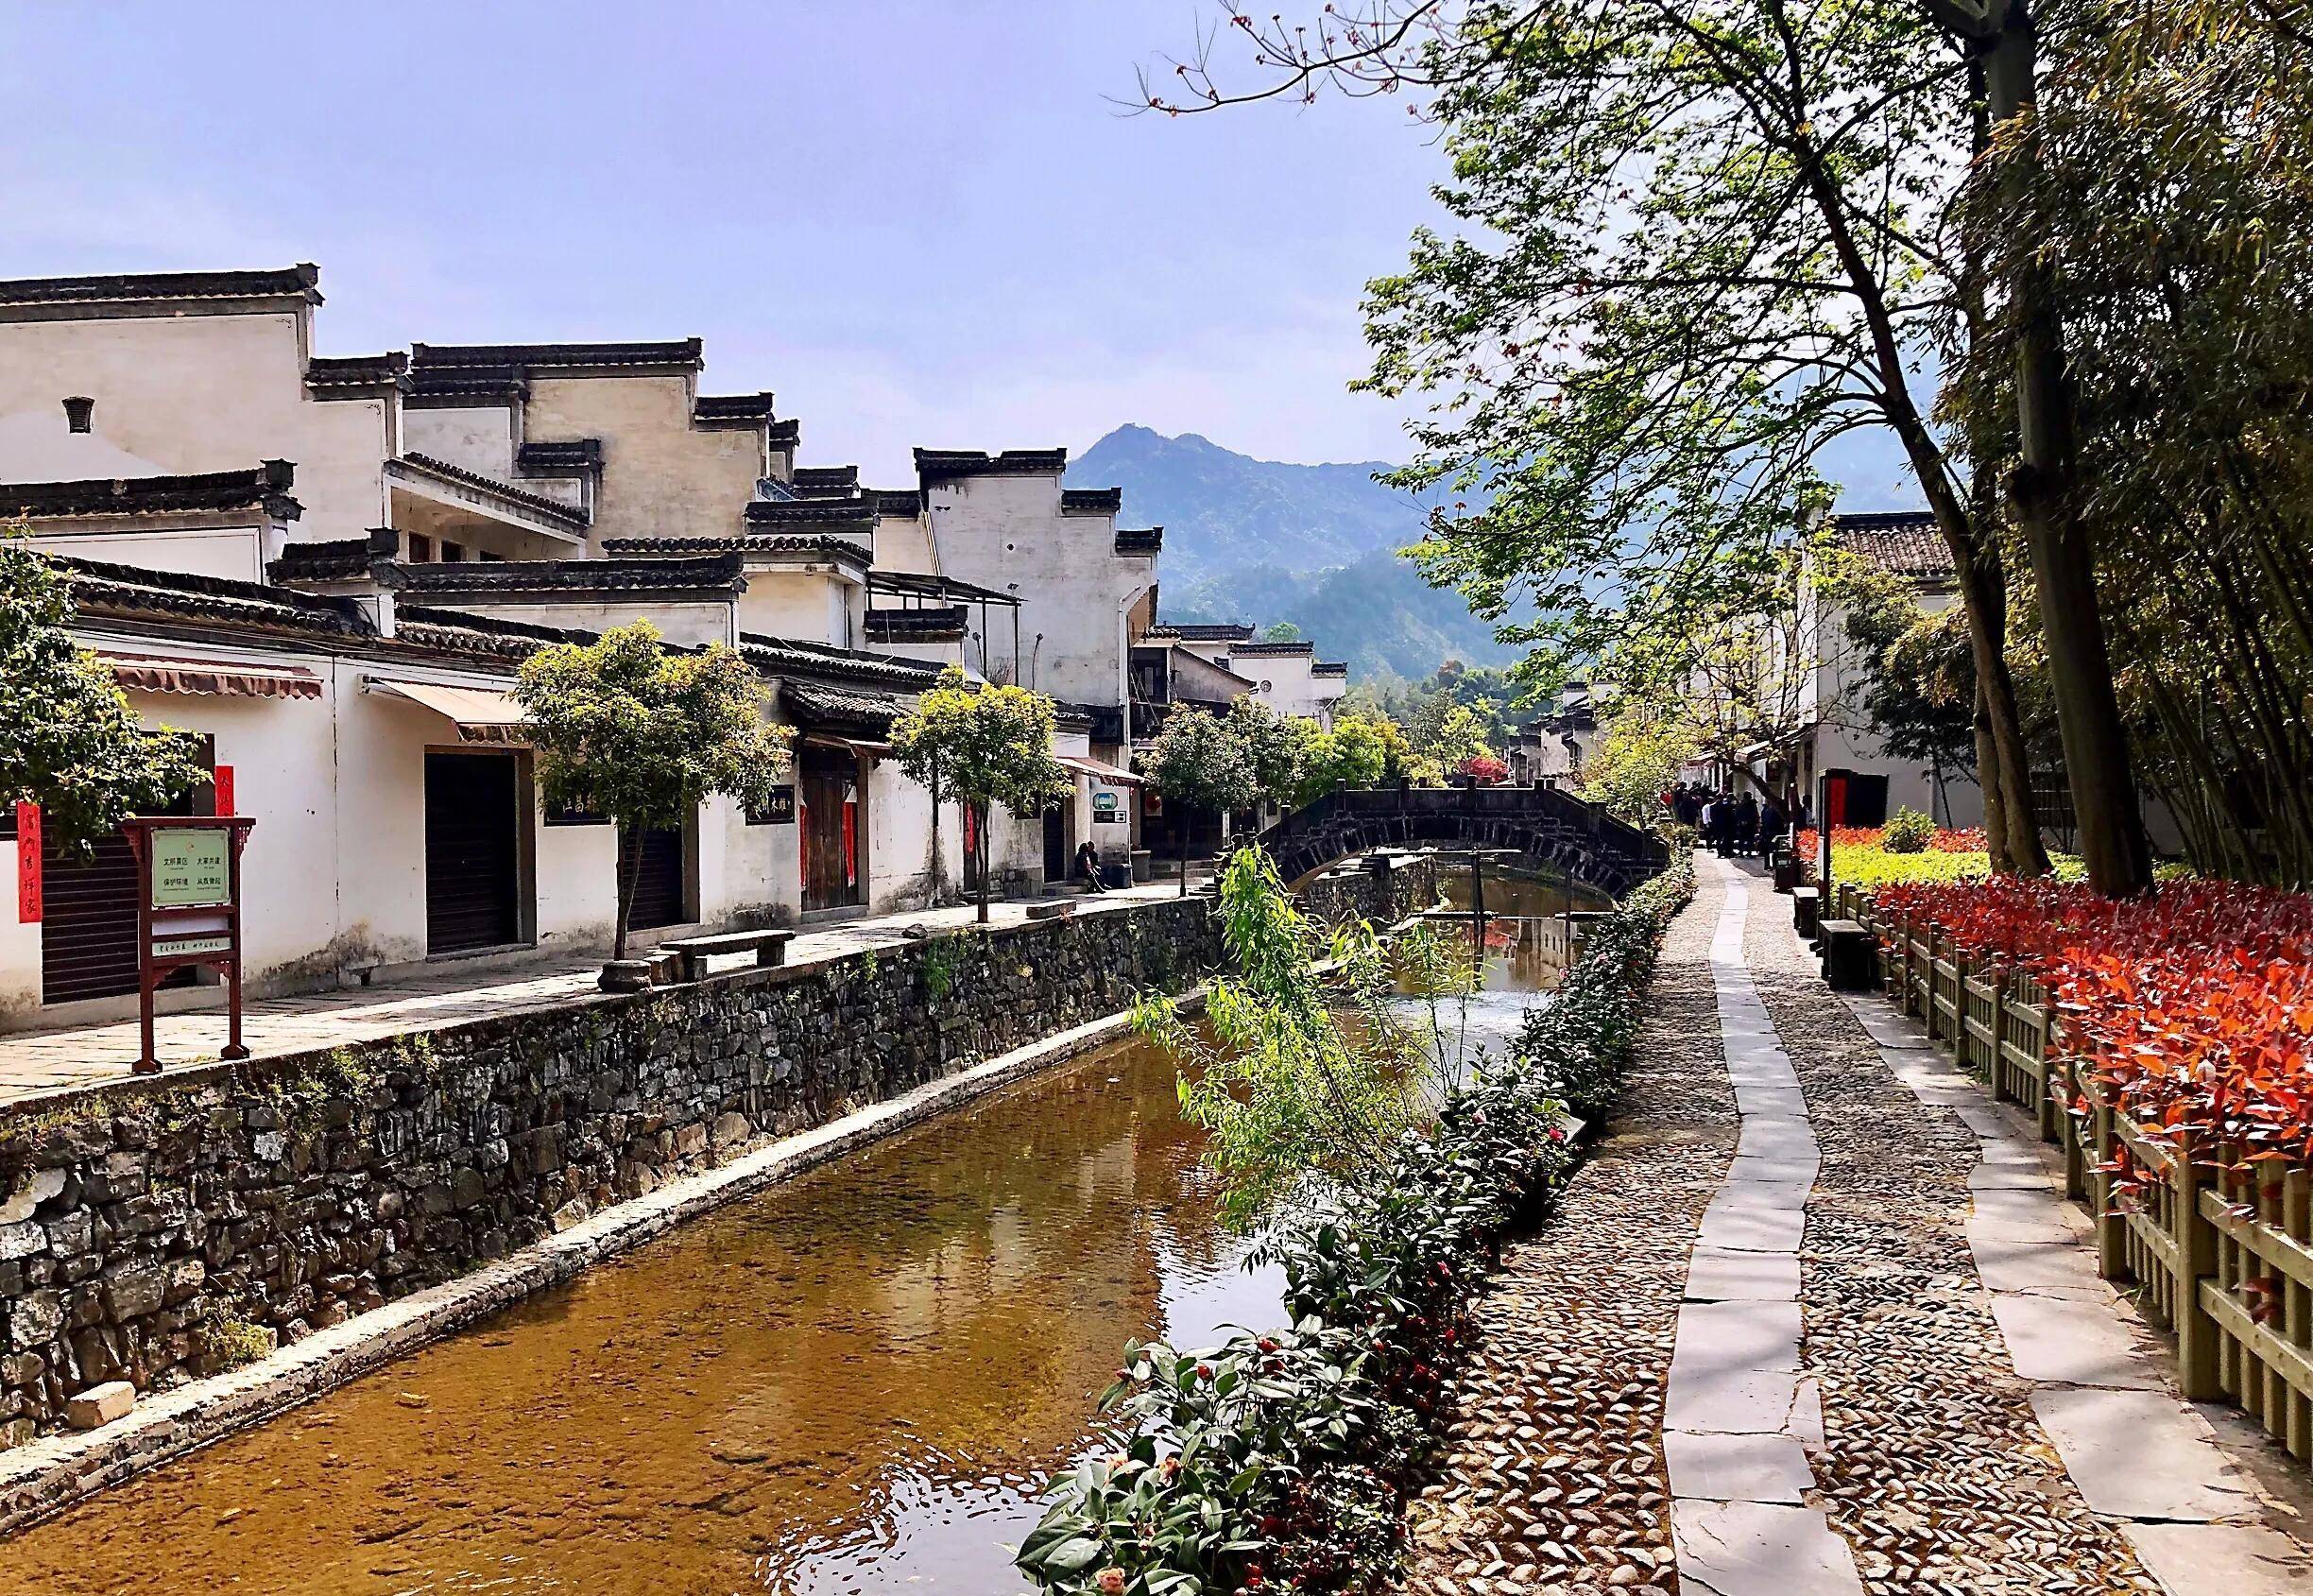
{"points": [[1551, 828]]}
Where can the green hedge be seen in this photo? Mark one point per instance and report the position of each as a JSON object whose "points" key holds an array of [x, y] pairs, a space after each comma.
{"points": [[1277, 1462]]}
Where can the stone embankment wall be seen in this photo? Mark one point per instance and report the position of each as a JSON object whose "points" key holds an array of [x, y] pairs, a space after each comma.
{"points": [[1382, 889], [156, 1230]]}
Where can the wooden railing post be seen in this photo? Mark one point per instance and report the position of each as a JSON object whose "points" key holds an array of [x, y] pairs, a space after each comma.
{"points": [[2111, 1228], [2196, 1261]]}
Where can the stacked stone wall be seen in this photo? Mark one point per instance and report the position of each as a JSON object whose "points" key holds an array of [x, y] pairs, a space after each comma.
{"points": [[153, 1231]]}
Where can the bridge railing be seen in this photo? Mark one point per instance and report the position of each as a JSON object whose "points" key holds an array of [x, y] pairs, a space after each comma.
{"points": [[1441, 803]]}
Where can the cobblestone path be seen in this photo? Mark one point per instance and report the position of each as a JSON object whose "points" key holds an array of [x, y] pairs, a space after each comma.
{"points": [[1554, 1478], [1870, 1353]]}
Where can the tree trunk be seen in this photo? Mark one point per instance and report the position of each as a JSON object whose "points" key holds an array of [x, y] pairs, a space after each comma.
{"points": [[980, 854], [2043, 490], [1988, 779], [629, 870], [1180, 845], [1983, 594]]}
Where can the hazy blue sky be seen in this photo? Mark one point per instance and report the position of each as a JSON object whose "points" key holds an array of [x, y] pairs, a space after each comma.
{"points": [[916, 223]]}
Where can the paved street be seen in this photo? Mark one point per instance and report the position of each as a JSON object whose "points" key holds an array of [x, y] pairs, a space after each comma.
{"points": [[36, 1061], [1818, 1320]]}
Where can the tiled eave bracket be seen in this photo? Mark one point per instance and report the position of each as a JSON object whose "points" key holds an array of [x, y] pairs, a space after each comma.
{"points": [[447, 485]]}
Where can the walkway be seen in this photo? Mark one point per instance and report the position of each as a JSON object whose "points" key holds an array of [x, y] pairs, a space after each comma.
{"points": [[1862, 1349], [41, 1061]]}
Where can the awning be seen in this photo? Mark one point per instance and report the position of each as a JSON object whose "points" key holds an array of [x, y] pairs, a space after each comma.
{"points": [[216, 678], [847, 745], [1106, 774], [481, 714]]}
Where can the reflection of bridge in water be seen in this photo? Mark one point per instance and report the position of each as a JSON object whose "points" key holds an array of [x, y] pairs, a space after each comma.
{"points": [[1547, 830]]}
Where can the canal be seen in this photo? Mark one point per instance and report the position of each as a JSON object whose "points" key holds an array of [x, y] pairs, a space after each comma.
{"points": [[854, 1382]]}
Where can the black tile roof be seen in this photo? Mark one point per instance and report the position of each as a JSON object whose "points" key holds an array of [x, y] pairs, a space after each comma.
{"points": [[786, 433], [1901, 542], [1255, 649], [301, 281], [897, 500], [719, 574], [328, 374], [1091, 501], [336, 560], [931, 463], [731, 409], [1203, 631], [812, 706], [566, 458], [808, 512], [823, 662], [1329, 667], [820, 547], [680, 352], [940, 624], [489, 633], [820, 482], [266, 487], [445, 387], [554, 509], [100, 587], [1143, 539]]}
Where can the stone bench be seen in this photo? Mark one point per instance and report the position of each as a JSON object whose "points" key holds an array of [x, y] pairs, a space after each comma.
{"points": [[1850, 956], [1051, 909], [1806, 905], [768, 948]]}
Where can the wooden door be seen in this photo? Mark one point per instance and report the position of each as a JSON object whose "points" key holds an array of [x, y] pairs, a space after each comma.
{"points": [[659, 889], [1055, 843], [472, 850], [829, 813]]}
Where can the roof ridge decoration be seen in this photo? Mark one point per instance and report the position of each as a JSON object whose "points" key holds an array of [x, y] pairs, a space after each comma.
{"points": [[686, 353], [559, 458], [1329, 667], [356, 376], [832, 548], [1139, 540], [931, 463], [300, 281], [896, 500], [745, 411], [1091, 501], [265, 487], [1204, 631], [717, 571], [1259, 648], [334, 559], [808, 512]]}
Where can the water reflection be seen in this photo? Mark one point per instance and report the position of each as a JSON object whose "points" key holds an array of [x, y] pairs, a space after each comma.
{"points": [[855, 1383]]}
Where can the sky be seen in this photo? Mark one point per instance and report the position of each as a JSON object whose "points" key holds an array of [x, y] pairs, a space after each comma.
{"points": [[915, 223]]}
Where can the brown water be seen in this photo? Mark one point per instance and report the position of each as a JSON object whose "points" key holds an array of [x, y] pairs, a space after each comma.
{"points": [[852, 1383]]}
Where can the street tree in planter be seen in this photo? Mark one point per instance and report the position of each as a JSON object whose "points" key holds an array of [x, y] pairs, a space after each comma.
{"points": [[73, 746], [1199, 762], [982, 744], [626, 730], [1271, 744]]}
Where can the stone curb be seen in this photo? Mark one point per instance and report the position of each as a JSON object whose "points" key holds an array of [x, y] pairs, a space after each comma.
{"points": [[48, 1476]]}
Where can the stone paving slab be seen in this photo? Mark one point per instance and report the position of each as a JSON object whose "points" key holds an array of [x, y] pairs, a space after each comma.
{"points": [[1723, 1467], [1760, 1548]]}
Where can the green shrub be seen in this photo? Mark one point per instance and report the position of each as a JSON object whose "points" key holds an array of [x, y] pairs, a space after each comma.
{"points": [[1280, 1461], [1907, 832]]}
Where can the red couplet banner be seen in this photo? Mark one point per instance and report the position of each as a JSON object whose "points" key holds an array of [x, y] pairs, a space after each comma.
{"points": [[28, 864]]}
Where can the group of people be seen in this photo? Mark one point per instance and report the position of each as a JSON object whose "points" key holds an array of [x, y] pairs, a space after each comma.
{"points": [[1734, 827]]}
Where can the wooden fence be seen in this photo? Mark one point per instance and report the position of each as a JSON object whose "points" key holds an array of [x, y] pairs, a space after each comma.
{"points": [[2218, 1255]]}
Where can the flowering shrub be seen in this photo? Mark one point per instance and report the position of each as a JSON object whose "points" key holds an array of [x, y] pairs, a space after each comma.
{"points": [[1482, 769], [2194, 1005], [1277, 1461]]}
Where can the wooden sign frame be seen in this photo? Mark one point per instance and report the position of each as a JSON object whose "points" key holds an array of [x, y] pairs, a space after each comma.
{"points": [[198, 928]]}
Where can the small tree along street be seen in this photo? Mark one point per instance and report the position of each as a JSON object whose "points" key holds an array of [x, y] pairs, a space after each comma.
{"points": [[982, 744], [72, 744], [625, 729], [1198, 764]]}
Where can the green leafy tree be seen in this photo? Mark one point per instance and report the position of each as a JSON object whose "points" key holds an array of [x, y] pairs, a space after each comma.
{"points": [[71, 743], [625, 729], [983, 745], [1273, 748], [1298, 1074], [1637, 759], [1282, 631], [1691, 251], [1354, 754], [1199, 764]]}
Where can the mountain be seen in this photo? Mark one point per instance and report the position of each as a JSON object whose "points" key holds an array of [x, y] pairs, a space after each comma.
{"points": [[1264, 541]]}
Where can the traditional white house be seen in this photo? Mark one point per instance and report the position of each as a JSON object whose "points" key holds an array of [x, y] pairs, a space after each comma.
{"points": [[1839, 735], [328, 568]]}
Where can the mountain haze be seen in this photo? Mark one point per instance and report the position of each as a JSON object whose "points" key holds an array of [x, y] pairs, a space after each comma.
{"points": [[1265, 541]]}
